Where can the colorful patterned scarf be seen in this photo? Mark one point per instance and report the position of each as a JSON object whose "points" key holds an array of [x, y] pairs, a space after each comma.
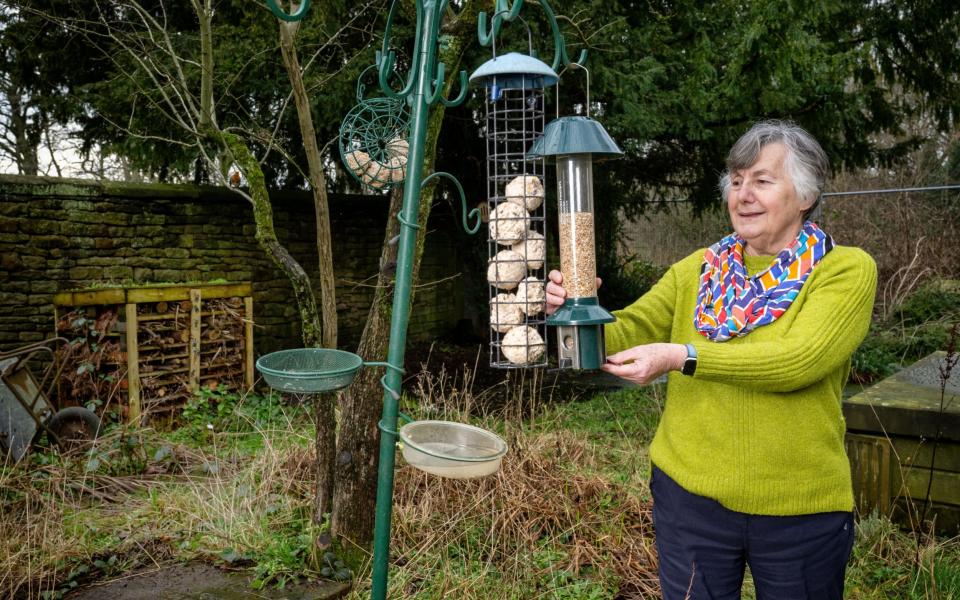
{"points": [[729, 304]]}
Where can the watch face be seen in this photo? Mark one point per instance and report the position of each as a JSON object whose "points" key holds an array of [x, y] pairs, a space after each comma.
{"points": [[689, 366]]}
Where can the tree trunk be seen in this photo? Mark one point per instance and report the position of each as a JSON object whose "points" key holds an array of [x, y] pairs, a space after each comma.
{"points": [[324, 409], [326, 440], [267, 237], [358, 444], [318, 183]]}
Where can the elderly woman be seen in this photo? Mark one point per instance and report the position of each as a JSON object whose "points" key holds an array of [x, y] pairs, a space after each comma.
{"points": [[756, 334]]}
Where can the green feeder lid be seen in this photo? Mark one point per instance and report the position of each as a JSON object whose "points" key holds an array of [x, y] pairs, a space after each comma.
{"points": [[581, 311], [574, 135], [514, 71]]}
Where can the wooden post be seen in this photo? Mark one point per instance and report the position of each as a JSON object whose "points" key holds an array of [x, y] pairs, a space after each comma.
{"points": [[133, 365], [195, 306], [248, 342]]}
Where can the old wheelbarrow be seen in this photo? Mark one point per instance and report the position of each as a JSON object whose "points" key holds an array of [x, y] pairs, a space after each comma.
{"points": [[25, 407]]}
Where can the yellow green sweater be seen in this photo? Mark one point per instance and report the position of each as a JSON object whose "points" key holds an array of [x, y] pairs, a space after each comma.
{"points": [[759, 426]]}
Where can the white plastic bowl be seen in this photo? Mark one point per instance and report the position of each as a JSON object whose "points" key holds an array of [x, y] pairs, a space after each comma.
{"points": [[452, 450]]}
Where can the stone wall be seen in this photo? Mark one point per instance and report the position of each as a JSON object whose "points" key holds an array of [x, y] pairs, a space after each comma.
{"points": [[60, 234]]}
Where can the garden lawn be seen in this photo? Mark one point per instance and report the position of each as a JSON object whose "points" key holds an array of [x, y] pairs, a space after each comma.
{"points": [[568, 516]]}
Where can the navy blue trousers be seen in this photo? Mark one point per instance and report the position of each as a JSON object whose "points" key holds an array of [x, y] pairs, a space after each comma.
{"points": [[704, 548]]}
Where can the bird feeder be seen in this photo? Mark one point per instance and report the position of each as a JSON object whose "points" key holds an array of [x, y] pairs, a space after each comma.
{"points": [[574, 143], [516, 268]]}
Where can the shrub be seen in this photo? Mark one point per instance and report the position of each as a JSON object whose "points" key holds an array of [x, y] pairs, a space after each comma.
{"points": [[623, 285], [918, 326], [934, 301]]}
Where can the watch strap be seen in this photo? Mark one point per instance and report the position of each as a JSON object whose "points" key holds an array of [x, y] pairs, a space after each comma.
{"points": [[690, 364]]}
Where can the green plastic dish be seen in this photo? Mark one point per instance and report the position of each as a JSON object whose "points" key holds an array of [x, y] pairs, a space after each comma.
{"points": [[309, 370]]}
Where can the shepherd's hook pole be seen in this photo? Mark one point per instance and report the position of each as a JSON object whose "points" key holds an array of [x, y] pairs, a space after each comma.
{"points": [[399, 319]]}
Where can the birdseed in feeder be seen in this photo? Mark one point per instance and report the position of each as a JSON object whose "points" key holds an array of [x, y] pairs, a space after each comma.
{"points": [[577, 261], [532, 249], [531, 296], [522, 345], [505, 313], [525, 191], [506, 269], [508, 222]]}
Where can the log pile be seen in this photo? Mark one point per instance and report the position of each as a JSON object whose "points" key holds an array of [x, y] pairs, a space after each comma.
{"points": [[161, 349]]}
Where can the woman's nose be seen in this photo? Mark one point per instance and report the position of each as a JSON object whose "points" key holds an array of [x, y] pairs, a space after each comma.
{"points": [[743, 192]]}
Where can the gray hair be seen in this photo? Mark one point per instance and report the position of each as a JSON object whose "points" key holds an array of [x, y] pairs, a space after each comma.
{"points": [[806, 161]]}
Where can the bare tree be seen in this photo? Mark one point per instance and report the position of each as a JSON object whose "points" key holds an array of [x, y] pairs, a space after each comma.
{"points": [[180, 87]]}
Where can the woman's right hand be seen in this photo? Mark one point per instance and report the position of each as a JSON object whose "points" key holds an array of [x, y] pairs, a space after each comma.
{"points": [[555, 292], [556, 295]]}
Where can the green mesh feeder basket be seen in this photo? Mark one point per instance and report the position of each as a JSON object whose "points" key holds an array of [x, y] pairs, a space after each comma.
{"points": [[373, 140], [309, 370]]}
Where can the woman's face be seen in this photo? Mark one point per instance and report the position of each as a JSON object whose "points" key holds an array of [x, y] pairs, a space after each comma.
{"points": [[763, 204]]}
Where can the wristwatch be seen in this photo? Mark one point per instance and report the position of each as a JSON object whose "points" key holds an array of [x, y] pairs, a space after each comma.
{"points": [[690, 364]]}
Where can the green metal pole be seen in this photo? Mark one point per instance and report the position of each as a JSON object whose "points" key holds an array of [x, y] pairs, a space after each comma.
{"points": [[401, 298]]}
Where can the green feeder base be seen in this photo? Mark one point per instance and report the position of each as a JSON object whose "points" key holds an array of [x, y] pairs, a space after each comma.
{"points": [[580, 341]]}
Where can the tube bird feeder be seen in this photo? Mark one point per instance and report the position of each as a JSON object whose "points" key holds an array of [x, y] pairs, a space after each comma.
{"points": [[573, 144]]}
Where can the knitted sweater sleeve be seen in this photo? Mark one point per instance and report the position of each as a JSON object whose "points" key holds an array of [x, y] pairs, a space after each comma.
{"points": [[647, 320], [831, 324]]}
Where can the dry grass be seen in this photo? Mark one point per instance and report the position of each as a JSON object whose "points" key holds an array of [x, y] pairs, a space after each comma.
{"points": [[567, 517], [63, 523], [537, 499]]}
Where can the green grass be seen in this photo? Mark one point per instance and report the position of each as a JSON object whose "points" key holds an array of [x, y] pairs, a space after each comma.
{"points": [[567, 518]]}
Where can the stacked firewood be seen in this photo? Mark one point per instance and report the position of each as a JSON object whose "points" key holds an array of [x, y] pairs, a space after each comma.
{"points": [[163, 337]]}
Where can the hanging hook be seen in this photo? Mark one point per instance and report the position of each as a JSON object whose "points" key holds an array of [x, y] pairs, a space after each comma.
{"points": [[435, 87], [573, 67], [503, 12], [474, 214], [507, 12], [285, 16], [388, 57], [464, 88]]}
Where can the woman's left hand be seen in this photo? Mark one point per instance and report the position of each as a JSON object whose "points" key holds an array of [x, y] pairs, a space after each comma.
{"points": [[643, 364]]}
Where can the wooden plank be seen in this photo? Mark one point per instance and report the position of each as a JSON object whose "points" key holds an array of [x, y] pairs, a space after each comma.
{"points": [[248, 373], [869, 413], [174, 315], [171, 293], [945, 488], [133, 366], [90, 297], [915, 452], [195, 310], [870, 472], [155, 293]]}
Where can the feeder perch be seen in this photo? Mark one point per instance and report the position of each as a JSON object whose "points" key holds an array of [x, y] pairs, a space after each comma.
{"points": [[573, 143]]}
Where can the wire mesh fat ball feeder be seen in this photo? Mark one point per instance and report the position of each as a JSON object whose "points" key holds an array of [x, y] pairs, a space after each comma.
{"points": [[573, 143], [373, 140], [516, 246]]}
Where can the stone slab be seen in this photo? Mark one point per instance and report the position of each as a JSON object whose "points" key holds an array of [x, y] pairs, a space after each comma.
{"points": [[202, 582], [909, 403]]}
